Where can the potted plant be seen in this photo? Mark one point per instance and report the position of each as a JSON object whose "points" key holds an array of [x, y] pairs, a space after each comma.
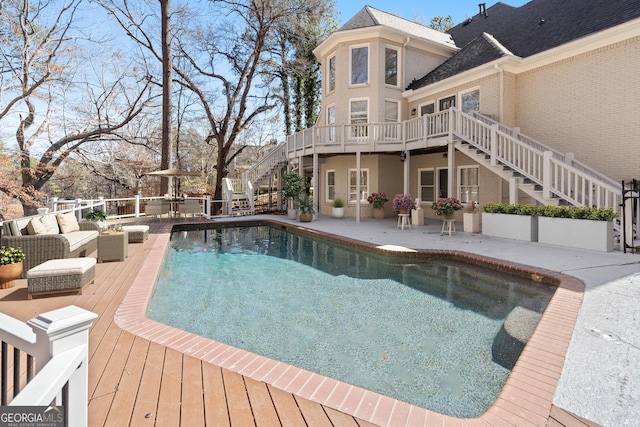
{"points": [[338, 208], [97, 215], [291, 188], [10, 266], [307, 208], [377, 200], [403, 203], [446, 206]]}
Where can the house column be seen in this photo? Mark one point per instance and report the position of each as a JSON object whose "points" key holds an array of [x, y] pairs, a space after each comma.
{"points": [[358, 186], [314, 183], [407, 168], [451, 161]]}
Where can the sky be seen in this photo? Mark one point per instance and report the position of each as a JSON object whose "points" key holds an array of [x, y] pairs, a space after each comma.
{"points": [[427, 9]]}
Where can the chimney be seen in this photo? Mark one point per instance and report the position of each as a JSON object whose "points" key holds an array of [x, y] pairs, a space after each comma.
{"points": [[483, 9]]}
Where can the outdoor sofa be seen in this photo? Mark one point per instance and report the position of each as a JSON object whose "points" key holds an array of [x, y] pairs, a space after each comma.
{"points": [[50, 236]]}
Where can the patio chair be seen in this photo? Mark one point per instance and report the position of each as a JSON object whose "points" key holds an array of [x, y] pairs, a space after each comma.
{"points": [[157, 207], [190, 206]]}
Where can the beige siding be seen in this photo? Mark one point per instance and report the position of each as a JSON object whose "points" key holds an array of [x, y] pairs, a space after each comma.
{"points": [[385, 174], [588, 105]]}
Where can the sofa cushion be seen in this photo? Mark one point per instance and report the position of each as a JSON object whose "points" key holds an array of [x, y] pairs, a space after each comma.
{"points": [[67, 222], [79, 238], [36, 226], [15, 229], [51, 223]]}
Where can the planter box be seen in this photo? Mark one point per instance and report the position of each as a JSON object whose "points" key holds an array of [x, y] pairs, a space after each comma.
{"points": [[576, 233], [508, 226]]}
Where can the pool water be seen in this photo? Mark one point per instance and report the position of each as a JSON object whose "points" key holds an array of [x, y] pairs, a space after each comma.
{"points": [[430, 334]]}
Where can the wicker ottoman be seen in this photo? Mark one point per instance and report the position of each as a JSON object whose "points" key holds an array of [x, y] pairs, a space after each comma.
{"points": [[60, 275], [137, 233]]}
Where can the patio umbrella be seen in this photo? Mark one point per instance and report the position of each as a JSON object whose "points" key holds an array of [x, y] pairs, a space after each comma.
{"points": [[175, 173]]}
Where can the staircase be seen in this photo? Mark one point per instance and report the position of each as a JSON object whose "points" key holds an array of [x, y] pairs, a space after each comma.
{"points": [[546, 175], [240, 193]]}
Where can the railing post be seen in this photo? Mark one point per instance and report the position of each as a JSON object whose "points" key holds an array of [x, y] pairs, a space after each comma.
{"points": [[78, 209], [136, 205], [494, 144], [60, 330], [547, 174]]}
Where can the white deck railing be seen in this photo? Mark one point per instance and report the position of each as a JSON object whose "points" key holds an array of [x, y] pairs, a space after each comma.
{"points": [[558, 174], [57, 344]]}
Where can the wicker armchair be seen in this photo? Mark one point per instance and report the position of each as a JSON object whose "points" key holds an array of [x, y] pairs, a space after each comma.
{"points": [[43, 247]]}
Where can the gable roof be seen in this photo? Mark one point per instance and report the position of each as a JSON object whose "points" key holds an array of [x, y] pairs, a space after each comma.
{"points": [[480, 50], [372, 17], [527, 30]]}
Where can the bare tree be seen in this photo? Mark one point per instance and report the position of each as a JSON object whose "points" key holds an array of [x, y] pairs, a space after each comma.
{"points": [[52, 106], [167, 103]]}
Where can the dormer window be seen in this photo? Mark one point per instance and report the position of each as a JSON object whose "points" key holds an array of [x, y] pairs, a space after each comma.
{"points": [[359, 65]]}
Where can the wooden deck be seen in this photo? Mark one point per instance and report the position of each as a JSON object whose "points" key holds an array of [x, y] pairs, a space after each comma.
{"points": [[135, 381]]}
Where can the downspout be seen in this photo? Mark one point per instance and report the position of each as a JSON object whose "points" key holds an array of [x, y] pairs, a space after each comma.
{"points": [[500, 93], [404, 61]]}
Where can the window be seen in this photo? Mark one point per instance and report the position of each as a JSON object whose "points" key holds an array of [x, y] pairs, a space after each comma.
{"points": [[359, 117], [470, 101], [359, 65], [469, 187], [331, 185], [331, 121], [364, 186], [427, 185], [427, 109], [391, 116], [391, 67], [332, 74], [443, 182], [446, 103]]}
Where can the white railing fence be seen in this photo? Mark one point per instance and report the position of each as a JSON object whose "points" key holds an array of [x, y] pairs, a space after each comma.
{"points": [[57, 344], [558, 174], [127, 207]]}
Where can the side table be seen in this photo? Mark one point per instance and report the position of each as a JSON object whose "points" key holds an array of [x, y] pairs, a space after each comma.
{"points": [[113, 246], [404, 219], [448, 225]]}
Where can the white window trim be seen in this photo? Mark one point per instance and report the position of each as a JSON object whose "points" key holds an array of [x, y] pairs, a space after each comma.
{"points": [[398, 69], [459, 180], [437, 189], [420, 170], [473, 89], [365, 194], [453, 95], [335, 76], [425, 104], [356, 46], [327, 199]]}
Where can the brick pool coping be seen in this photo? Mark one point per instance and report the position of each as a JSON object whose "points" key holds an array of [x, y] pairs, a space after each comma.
{"points": [[525, 399]]}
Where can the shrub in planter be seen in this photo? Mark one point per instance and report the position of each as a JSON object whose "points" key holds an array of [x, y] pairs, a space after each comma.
{"points": [[518, 222]]}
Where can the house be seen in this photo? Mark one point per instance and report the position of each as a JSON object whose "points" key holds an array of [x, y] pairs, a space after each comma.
{"points": [[531, 104]]}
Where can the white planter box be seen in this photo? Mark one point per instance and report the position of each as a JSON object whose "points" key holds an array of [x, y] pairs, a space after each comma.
{"points": [[576, 233], [509, 226]]}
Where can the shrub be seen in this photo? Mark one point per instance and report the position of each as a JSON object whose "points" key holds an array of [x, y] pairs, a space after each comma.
{"points": [[575, 212], [9, 255], [338, 202]]}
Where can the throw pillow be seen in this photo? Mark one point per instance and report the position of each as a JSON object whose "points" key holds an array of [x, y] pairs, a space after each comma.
{"points": [[51, 223], [36, 226], [67, 222]]}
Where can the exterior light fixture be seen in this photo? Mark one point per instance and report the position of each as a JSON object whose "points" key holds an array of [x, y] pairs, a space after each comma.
{"points": [[413, 112], [403, 156]]}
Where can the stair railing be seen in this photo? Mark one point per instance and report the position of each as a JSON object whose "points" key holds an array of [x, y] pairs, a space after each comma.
{"points": [[541, 164], [266, 165]]}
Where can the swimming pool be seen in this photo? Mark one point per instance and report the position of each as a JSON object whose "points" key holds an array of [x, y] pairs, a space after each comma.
{"points": [[436, 343]]}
